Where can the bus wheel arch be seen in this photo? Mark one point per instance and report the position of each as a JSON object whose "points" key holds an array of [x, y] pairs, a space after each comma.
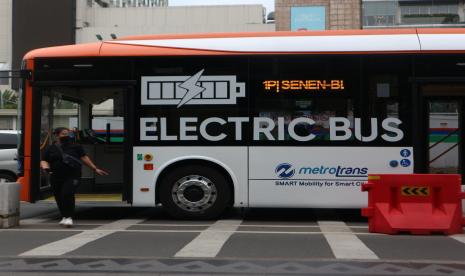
{"points": [[208, 171]]}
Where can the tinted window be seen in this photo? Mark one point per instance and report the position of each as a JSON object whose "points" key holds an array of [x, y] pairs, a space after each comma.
{"points": [[444, 65], [192, 101], [387, 90], [301, 94], [8, 141]]}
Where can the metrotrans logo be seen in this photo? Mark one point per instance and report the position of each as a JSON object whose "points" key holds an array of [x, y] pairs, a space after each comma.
{"points": [[191, 90], [286, 171]]}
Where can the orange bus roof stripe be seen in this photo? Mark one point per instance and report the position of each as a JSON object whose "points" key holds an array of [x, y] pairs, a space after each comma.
{"points": [[272, 34], [79, 50], [111, 48]]}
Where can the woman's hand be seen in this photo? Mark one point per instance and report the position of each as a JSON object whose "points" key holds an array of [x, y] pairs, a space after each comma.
{"points": [[100, 172], [45, 166]]}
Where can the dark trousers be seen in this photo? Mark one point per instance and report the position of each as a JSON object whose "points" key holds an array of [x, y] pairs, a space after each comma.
{"points": [[64, 190]]}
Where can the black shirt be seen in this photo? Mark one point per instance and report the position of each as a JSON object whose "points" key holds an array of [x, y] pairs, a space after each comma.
{"points": [[53, 156]]}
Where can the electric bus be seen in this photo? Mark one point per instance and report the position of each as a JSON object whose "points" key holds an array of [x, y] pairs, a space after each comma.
{"points": [[199, 123]]}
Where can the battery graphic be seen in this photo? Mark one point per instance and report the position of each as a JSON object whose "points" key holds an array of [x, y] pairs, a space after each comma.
{"points": [[191, 90]]}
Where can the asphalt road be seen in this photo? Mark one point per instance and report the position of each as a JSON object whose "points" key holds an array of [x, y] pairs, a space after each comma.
{"points": [[113, 238]]}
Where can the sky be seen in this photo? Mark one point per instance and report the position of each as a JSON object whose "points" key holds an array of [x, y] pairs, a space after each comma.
{"points": [[269, 4]]}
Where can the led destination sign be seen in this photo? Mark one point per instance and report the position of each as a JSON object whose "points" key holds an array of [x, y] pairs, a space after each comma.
{"points": [[303, 85]]}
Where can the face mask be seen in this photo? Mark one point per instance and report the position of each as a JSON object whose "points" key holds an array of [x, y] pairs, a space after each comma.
{"points": [[65, 139]]}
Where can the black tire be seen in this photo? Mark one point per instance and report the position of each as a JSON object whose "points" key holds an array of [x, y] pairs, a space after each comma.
{"points": [[7, 177], [211, 210]]}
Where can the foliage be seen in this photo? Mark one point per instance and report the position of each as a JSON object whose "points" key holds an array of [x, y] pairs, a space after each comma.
{"points": [[9, 99]]}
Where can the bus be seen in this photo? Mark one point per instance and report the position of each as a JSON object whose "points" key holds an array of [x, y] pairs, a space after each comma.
{"points": [[200, 123]]}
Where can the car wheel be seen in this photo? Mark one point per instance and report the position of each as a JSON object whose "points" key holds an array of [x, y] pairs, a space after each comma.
{"points": [[7, 178], [195, 192]]}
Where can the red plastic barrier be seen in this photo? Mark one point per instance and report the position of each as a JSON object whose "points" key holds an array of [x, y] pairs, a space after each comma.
{"points": [[419, 204]]}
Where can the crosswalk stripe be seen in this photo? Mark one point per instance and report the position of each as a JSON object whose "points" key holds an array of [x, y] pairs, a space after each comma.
{"points": [[210, 241], [72, 243], [460, 238], [343, 242], [33, 221]]}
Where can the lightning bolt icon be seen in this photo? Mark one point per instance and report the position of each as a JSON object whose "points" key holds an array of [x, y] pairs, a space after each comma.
{"points": [[192, 88]]}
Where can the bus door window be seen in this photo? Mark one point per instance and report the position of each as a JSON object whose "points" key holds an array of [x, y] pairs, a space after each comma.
{"points": [[46, 116], [55, 112], [46, 119], [66, 114], [444, 136], [107, 122]]}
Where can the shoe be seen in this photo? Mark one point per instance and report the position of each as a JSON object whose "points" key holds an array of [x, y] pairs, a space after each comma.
{"points": [[68, 222], [62, 222]]}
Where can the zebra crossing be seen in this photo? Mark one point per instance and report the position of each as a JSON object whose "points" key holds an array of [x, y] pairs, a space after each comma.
{"points": [[269, 234]]}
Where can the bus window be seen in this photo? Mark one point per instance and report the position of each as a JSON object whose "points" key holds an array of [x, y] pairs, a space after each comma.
{"points": [[387, 90], [444, 135], [215, 115], [318, 110], [107, 122], [303, 96], [384, 94], [66, 114], [46, 120]]}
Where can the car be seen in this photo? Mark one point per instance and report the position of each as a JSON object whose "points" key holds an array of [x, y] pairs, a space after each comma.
{"points": [[8, 155]]}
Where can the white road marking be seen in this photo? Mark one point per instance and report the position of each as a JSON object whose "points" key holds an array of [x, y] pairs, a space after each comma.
{"points": [[69, 244], [33, 221], [210, 241], [43, 222], [344, 243], [460, 238], [178, 231]]}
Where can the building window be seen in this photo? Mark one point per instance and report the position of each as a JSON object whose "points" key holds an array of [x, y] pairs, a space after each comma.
{"points": [[380, 13], [127, 3], [410, 12], [444, 13], [308, 18]]}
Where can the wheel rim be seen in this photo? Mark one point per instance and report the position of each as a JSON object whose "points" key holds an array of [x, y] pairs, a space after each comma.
{"points": [[4, 180], [194, 193]]}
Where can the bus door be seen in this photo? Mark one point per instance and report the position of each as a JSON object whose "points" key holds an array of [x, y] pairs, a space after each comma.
{"points": [[98, 119], [444, 128]]}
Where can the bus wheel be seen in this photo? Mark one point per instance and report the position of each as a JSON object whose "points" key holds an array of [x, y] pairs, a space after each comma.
{"points": [[195, 192]]}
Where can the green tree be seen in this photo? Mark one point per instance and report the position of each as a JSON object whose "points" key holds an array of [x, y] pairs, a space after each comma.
{"points": [[9, 99]]}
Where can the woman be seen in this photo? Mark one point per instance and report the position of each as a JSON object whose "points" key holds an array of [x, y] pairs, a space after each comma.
{"points": [[63, 160]]}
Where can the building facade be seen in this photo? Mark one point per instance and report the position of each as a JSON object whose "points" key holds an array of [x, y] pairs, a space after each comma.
{"points": [[295, 15], [127, 3], [5, 40], [59, 22], [413, 14], [104, 22]]}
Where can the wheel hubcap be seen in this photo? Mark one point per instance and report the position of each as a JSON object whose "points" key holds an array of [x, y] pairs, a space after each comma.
{"points": [[194, 193]]}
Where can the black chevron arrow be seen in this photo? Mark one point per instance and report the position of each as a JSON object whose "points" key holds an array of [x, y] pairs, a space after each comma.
{"points": [[414, 191], [406, 190], [424, 190]]}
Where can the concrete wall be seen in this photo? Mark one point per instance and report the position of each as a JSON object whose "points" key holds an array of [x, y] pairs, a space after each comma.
{"points": [[188, 19], [340, 14], [5, 39]]}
